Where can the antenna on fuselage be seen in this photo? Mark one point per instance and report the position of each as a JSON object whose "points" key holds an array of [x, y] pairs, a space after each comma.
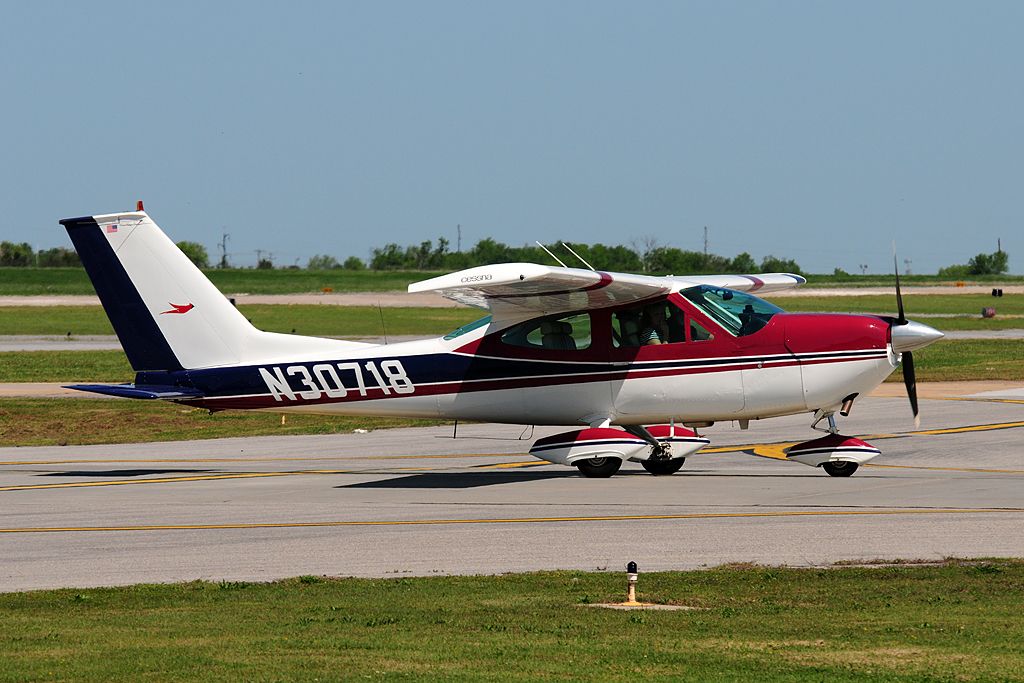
{"points": [[383, 328], [578, 256], [550, 254]]}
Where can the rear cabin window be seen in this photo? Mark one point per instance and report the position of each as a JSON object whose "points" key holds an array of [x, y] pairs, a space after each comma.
{"points": [[562, 333]]}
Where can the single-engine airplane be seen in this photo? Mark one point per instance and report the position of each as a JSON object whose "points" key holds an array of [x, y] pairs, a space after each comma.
{"points": [[637, 363]]}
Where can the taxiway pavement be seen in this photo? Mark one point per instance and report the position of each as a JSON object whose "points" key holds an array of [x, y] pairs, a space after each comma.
{"points": [[416, 501]]}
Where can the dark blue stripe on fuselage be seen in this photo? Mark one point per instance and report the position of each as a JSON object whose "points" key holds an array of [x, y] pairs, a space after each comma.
{"points": [[138, 333], [424, 369], [437, 368]]}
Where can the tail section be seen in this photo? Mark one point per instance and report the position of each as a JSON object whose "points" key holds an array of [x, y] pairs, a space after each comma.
{"points": [[97, 239], [166, 313]]}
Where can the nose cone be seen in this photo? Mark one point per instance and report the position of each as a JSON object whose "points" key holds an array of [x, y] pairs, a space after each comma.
{"points": [[912, 336]]}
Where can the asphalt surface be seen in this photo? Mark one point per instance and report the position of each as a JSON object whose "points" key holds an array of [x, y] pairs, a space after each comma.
{"points": [[417, 502]]}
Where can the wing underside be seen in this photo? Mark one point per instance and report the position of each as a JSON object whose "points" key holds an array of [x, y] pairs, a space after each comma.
{"points": [[514, 289], [510, 289]]}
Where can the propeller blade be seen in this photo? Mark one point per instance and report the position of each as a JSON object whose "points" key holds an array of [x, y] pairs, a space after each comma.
{"points": [[902, 319], [910, 381]]}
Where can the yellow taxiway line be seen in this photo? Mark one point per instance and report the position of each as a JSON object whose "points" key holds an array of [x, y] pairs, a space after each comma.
{"points": [[287, 458], [515, 520], [775, 451]]}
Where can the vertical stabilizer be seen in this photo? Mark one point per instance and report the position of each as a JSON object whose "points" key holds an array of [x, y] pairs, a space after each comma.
{"points": [[166, 313]]}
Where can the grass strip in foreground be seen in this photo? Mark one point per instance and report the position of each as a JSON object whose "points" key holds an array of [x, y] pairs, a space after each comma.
{"points": [[78, 421], [954, 621]]}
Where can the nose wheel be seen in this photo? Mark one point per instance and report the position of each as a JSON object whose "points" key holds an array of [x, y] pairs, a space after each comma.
{"points": [[839, 468]]}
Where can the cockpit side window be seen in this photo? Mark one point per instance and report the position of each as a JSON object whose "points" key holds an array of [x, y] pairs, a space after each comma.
{"points": [[739, 313], [649, 324], [559, 333]]}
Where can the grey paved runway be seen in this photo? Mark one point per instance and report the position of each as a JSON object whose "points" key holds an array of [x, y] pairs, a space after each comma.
{"points": [[417, 502]]}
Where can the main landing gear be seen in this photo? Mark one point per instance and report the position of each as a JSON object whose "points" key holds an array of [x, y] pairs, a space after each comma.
{"points": [[598, 468], [663, 467], [598, 452]]}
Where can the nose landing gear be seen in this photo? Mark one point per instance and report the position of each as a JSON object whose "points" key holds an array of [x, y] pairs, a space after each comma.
{"points": [[838, 455]]}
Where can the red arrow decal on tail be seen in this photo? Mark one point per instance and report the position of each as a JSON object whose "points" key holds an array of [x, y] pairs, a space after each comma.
{"points": [[178, 308]]}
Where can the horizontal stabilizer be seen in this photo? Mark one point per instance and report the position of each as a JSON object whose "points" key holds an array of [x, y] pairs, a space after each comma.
{"points": [[149, 391]]}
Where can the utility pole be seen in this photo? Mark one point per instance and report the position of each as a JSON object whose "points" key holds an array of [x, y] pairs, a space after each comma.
{"points": [[224, 250], [458, 239], [999, 245]]}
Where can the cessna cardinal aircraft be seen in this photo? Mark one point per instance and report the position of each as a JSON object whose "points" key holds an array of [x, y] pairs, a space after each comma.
{"points": [[636, 363]]}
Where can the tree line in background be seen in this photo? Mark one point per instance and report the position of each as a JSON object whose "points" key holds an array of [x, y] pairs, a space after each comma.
{"points": [[995, 263], [650, 257]]}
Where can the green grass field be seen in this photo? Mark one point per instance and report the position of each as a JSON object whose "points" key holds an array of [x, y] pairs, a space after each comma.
{"points": [[962, 359], [968, 359], [327, 321], [973, 359], [67, 367], [956, 622], [78, 421], [366, 320], [957, 304], [34, 281]]}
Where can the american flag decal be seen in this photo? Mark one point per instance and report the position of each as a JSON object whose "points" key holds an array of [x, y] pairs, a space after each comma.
{"points": [[112, 228]]}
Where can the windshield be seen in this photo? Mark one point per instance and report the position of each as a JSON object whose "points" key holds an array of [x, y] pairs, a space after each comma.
{"points": [[468, 327], [739, 313]]}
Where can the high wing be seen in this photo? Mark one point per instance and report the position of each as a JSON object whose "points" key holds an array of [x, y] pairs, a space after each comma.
{"points": [[763, 283], [516, 289]]}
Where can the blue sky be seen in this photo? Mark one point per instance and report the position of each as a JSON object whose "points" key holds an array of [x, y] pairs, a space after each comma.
{"points": [[817, 131]]}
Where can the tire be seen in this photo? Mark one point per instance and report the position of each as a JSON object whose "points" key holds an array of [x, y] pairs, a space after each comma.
{"points": [[840, 468], [663, 467], [599, 468]]}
